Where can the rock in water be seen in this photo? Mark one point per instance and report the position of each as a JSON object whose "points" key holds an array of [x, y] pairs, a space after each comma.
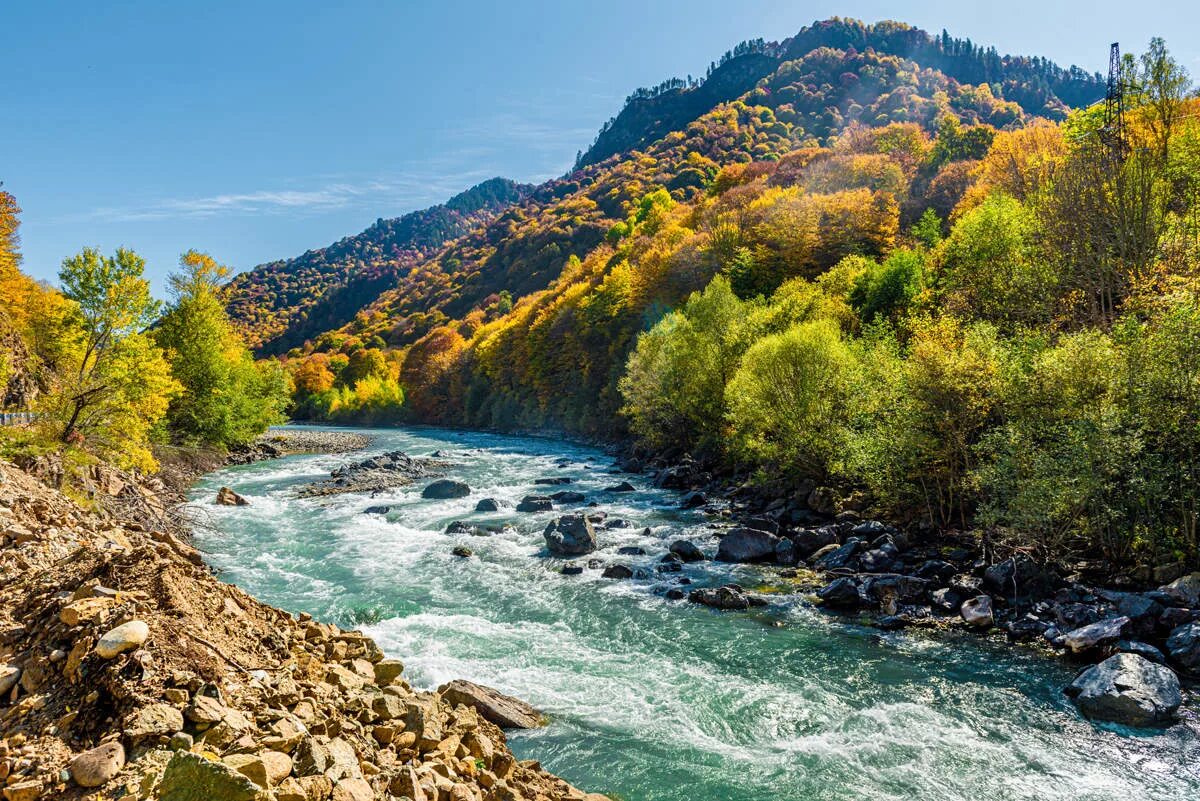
{"points": [[977, 611], [535, 503], [747, 545], [446, 488], [124, 637], [227, 497], [841, 593], [687, 551], [488, 505], [1128, 689], [503, 710], [95, 767], [570, 535], [731, 596]]}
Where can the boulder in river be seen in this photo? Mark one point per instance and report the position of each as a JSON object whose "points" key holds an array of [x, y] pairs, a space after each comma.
{"points": [[227, 497], [841, 593], [617, 572], [731, 596], [535, 503], [570, 535], [687, 550], [377, 510], [809, 541], [624, 486], [747, 545], [494, 706], [567, 496], [488, 505], [1128, 689], [553, 481], [692, 500], [446, 488]]}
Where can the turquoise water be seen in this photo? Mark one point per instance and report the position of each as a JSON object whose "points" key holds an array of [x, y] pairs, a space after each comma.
{"points": [[661, 700]]}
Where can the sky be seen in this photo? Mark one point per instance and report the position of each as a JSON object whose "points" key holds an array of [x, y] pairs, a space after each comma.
{"points": [[258, 130]]}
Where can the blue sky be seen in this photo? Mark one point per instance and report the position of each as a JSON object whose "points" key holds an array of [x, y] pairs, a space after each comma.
{"points": [[257, 130]]}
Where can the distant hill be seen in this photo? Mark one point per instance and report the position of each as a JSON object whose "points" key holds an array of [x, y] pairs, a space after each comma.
{"points": [[1039, 86], [470, 259], [281, 304]]}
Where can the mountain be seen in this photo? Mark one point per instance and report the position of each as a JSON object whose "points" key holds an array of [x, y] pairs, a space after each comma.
{"points": [[279, 305], [1039, 86]]}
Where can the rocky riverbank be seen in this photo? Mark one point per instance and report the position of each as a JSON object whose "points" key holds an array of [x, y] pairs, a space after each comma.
{"points": [[127, 670], [1135, 641], [285, 442]]}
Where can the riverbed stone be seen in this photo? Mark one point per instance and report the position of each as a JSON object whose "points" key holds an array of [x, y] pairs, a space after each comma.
{"points": [[156, 721], [617, 572], [1128, 689], [1100, 633], [95, 767], [124, 637], [1185, 589], [227, 497], [446, 488], [570, 535], [1183, 646], [535, 503], [487, 505], [496, 707], [687, 550], [191, 777], [841, 593], [747, 545], [977, 611]]}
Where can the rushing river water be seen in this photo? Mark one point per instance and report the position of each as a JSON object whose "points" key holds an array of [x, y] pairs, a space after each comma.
{"points": [[655, 700]]}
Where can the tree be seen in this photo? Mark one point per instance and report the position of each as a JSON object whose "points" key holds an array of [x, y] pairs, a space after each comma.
{"points": [[120, 385], [227, 399], [1162, 86]]}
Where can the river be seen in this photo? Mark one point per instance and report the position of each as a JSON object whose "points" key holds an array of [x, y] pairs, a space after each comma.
{"points": [[656, 700]]}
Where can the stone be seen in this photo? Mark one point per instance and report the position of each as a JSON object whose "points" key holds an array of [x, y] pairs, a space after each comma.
{"points": [[824, 500], [977, 611], [570, 535], [377, 510], [1101, 633], [95, 767], [841, 593], [1142, 649], [332, 757], [191, 777], [124, 637], [728, 597], [693, 500], [535, 503], [387, 671], [227, 497], [617, 572], [1183, 646], [840, 556], [496, 707], [1127, 689], [488, 505], [85, 610], [572, 570], [1185, 589], [9, 676], [444, 489], [205, 710], [1019, 577], [567, 496], [155, 721], [808, 541], [747, 545], [251, 766], [23, 791], [631, 550], [624, 486], [553, 481], [687, 550], [290, 790], [352, 790], [462, 552], [460, 527]]}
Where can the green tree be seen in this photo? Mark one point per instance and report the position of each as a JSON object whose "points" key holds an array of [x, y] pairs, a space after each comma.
{"points": [[119, 385], [227, 399]]}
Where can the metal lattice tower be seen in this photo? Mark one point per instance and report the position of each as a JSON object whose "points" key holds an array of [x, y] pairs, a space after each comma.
{"points": [[1113, 132]]}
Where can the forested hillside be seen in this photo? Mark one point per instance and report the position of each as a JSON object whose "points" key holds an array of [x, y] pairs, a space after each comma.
{"points": [[279, 305], [861, 273]]}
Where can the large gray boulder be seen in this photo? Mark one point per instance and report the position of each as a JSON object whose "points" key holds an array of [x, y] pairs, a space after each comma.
{"points": [[1185, 589], [1101, 633], [747, 545], [570, 535], [1128, 689]]}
